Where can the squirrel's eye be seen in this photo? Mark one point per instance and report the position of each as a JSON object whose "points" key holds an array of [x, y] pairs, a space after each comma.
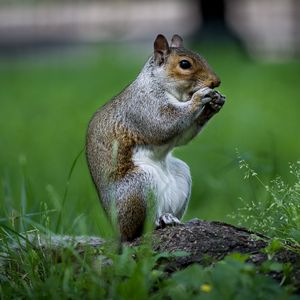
{"points": [[184, 64]]}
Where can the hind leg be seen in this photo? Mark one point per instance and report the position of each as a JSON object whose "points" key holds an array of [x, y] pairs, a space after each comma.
{"points": [[167, 219], [131, 205], [171, 214], [131, 215]]}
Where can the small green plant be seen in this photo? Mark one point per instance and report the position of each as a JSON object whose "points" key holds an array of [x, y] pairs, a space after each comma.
{"points": [[231, 278], [31, 272], [277, 212]]}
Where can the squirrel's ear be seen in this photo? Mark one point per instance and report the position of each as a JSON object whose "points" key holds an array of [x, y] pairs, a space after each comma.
{"points": [[176, 41], [161, 49]]}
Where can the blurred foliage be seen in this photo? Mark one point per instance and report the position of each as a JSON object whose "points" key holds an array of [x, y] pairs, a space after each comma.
{"points": [[47, 101]]}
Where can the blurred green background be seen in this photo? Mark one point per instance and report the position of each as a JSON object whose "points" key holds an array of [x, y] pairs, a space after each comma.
{"points": [[46, 104]]}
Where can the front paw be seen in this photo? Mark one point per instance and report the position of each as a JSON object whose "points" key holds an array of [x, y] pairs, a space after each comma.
{"points": [[210, 109], [200, 98], [167, 219], [216, 102], [203, 96]]}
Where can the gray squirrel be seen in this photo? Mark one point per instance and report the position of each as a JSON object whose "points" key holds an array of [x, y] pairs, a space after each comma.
{"points": [[130, 139]]}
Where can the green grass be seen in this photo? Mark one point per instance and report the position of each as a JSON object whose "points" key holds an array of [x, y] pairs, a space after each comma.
{"points": [[29, 271], [46, 103]]}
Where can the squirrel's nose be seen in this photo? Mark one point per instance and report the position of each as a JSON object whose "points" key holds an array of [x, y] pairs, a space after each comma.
{"points": [[215, 82]]}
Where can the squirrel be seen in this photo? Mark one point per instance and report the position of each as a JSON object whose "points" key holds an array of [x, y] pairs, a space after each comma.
{"points": [[130, 138]]}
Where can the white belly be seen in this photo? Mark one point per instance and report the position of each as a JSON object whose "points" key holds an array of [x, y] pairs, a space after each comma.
{"points": [[170, 179]]}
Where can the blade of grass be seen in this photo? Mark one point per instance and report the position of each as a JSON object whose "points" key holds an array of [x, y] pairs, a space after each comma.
{"points": [[8, 229], [58, 224], [7, 194], [30, 214]]}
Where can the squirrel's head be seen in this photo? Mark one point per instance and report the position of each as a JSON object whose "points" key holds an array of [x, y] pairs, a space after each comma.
{"points": [[181, 71]]}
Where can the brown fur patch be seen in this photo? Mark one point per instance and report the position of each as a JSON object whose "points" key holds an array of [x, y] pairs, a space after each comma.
{"points": [[170, 111], [131, 217], [125, 143]]}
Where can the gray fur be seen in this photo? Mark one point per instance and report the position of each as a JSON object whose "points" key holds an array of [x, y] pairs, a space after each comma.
{"points": [[141, 115]]}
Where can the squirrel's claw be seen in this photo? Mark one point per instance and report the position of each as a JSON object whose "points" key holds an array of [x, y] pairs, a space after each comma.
{"points": [[216, 102], [206, 94], [167, 219], [219, 98]]}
